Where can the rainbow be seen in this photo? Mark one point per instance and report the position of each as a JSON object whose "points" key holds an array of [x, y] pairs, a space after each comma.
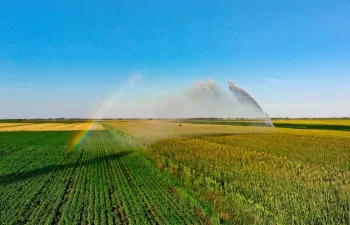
{"points": [[81, 136], [110, 101]]}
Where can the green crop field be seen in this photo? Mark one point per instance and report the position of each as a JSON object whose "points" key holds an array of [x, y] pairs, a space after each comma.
{"points": [[156, 172], [104, 181]]}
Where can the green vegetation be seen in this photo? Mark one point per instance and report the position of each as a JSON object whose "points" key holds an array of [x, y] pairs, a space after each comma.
{"points": [[104, 181], [155, 172]]}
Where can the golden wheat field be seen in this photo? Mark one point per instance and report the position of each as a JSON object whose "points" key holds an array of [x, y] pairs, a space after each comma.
{"points": [[50, 126]]}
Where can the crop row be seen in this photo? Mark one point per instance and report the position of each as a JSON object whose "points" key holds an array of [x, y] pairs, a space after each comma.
{"points": [[263, 178], [146, 186], [26, 175], [106, 180]]}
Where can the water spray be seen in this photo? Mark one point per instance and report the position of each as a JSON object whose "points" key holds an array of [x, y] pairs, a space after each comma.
{"points": [[247, 100]]}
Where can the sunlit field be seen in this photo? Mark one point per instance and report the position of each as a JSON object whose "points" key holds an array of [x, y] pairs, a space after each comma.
{"points": [[287, 176], [49, 126], [174, 112], [90, 176], [314, 121], [308, 124], [149, 130], [174, 172]]}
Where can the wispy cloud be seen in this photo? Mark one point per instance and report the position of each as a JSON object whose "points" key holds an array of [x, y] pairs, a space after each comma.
{"points": [[278, 81]]}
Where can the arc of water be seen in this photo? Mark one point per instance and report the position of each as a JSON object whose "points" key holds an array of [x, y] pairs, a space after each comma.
{"points": [[246, 99]]}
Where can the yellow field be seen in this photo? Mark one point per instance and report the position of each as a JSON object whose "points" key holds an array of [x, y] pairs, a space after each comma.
{"points": [[82, 126], [11, 124], [291, 176], [316, 121], [149, 130], [330, 133], [50, 126], [155, 130]]}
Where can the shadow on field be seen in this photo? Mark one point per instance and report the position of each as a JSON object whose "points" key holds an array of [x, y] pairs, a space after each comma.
{"points": [[17, 177]]}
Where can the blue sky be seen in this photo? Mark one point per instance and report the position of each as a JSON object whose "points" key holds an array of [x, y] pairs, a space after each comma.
{"points": [[66, 58]]}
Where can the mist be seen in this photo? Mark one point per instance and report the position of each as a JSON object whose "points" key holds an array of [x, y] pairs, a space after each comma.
{"points": [[203, 99]]}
